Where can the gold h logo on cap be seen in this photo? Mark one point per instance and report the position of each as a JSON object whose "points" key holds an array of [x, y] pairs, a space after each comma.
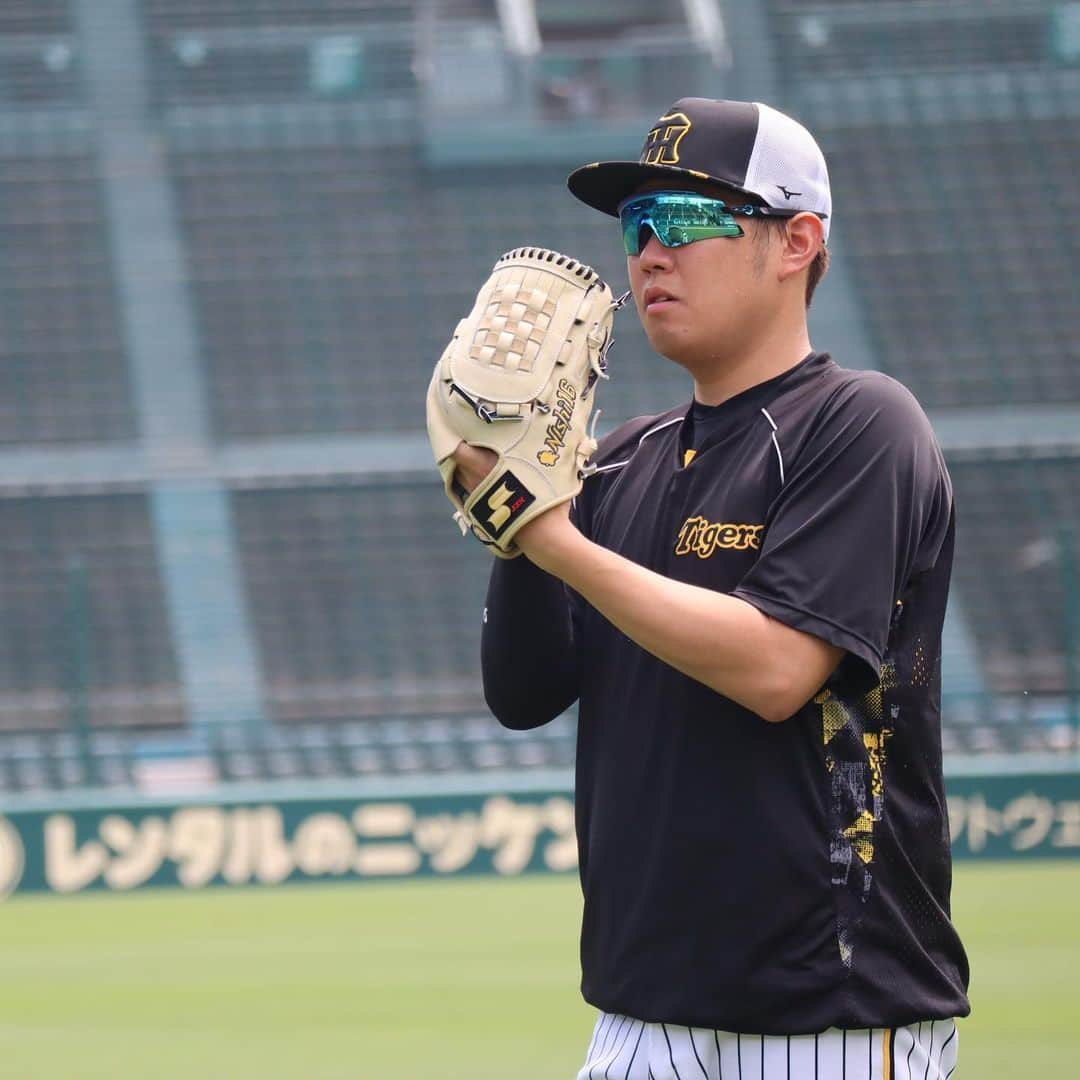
{"points": [[662, 143]]}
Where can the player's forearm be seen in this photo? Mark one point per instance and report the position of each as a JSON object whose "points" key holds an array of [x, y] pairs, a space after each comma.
{"points": [[528, 659], [717, 639]]}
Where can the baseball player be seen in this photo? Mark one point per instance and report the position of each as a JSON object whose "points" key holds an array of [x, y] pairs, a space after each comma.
{"points": [[746, 600]]}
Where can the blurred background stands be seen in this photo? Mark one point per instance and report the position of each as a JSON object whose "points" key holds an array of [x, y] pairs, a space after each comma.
{"points": [[236, 234]]}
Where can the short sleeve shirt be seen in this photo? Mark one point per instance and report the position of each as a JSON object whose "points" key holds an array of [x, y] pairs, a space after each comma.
{"points": [[775, 878]]}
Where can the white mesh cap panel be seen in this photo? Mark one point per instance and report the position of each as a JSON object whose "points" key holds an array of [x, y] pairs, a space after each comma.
{"points": [[787, 168]]}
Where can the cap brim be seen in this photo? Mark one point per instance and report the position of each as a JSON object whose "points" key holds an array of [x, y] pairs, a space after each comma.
{"points": [[605, 184]]}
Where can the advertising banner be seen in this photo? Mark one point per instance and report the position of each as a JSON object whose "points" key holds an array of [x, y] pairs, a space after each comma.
{"points": [[202, 844], [196, 844]]}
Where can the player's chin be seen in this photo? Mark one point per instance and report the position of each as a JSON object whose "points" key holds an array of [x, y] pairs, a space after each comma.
{"points": [[670, 343]]}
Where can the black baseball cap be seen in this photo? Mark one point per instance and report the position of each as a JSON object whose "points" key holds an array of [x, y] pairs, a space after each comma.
{"points": [[745, 145]]}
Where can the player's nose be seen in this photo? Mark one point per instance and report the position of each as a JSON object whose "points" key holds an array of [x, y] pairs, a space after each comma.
{"points": [[653, 254]]}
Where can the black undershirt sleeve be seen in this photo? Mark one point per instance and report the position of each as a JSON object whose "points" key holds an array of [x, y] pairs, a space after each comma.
{"points": [[527, 654]]}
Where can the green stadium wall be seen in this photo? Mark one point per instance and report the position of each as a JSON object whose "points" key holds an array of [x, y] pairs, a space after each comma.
{"points": [[201, 842]]}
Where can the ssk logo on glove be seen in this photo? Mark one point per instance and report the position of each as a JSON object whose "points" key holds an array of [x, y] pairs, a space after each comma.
{"points": [[508, 499]]}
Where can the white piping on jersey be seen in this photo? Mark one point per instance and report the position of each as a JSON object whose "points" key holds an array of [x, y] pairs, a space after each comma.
{"points": [[678, 420], [651, 431], [776, 444]]}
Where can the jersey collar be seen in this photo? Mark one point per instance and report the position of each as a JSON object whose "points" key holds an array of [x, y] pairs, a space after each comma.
{"points": [[718, 421]]}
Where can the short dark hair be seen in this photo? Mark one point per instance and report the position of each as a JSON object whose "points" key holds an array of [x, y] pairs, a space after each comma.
{"points": [[818, 269]]}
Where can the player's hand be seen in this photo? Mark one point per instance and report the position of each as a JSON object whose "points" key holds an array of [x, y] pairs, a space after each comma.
{"points": [[544, 540], [473, 464]]}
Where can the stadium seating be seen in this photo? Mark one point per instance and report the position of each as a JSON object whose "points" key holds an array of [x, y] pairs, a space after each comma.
{"points": [[36, 762], [85, 637], [939, 128], [304, 268], [37, 18], [63, 369], [279, 52], [364, 599], [311, 272], [847, 37], [967, 287], [1020, 542], [164, 16], [327, 253]]}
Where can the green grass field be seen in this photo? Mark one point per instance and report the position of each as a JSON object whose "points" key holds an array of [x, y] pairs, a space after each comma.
{"points": [[467, 979]]}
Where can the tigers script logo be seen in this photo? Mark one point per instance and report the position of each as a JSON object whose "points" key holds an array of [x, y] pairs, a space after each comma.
{"points": [[701, 537]]}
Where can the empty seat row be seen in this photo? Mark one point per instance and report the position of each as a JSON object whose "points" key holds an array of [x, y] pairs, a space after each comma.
{"points": [[63, 365], [389, 746], [32, 761], [380, 750], [167, 16]]}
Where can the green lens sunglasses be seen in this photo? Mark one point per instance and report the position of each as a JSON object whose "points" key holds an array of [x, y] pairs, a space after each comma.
{"points": [[681, 217]]}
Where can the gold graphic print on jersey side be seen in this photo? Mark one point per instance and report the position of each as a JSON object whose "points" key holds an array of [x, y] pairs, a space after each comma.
{"points": [[857, 761], [855, 734]]}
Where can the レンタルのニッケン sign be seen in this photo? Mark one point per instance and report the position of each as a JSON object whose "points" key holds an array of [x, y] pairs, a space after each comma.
{"points": [[197, 844]]}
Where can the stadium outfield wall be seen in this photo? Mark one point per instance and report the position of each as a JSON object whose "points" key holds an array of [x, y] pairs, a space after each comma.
{"points": [[289, 834]]}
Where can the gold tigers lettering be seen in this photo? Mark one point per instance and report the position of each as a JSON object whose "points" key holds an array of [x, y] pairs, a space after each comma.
{"points": [[702, 538]]}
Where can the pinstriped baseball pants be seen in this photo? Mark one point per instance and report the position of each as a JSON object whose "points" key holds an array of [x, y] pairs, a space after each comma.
{"points": [[627, 1049]]}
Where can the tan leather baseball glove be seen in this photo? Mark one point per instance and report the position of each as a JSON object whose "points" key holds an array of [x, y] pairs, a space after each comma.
{"points": [[518, 378]]}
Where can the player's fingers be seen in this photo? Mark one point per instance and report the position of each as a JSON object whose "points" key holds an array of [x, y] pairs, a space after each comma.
{"points": [[473, 464]]}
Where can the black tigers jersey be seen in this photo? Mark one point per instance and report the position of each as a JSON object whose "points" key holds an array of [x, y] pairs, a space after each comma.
{"points": [[772, 878]]}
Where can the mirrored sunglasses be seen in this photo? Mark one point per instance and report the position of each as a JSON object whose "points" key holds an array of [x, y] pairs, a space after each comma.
{"points": [[681, 217]]}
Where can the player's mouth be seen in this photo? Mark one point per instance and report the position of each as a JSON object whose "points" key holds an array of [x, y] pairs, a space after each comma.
{"points": [[656, 299]]}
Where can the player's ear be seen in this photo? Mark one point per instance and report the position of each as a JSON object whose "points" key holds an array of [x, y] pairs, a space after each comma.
{"points": [[804, 237]]}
